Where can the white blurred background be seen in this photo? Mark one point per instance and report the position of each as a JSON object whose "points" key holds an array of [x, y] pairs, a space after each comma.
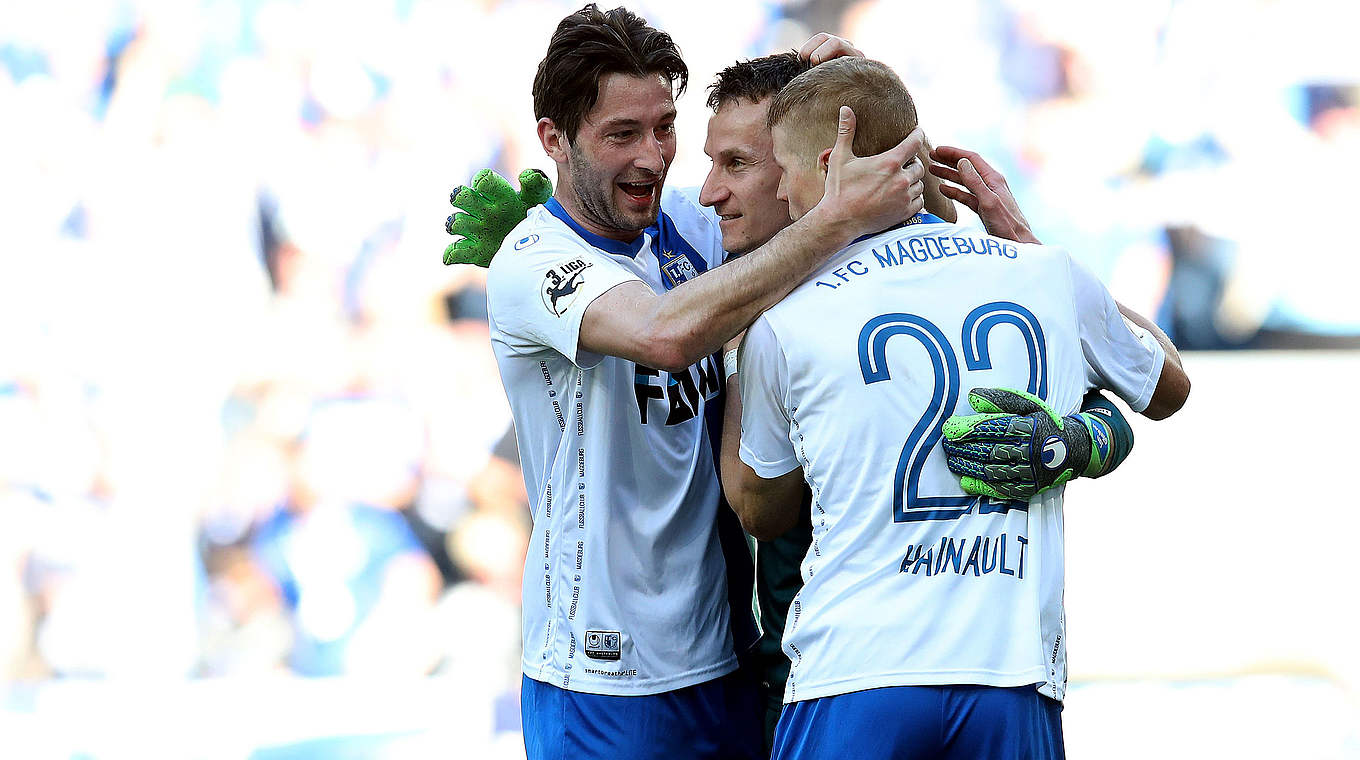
{"points": [[256, 494]]}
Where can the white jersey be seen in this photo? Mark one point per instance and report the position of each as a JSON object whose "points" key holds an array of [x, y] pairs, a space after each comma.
{"points": [[624, 583], [909, 581]]}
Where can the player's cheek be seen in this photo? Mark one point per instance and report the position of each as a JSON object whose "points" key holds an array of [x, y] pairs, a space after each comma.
{"points": [[668, 148]]}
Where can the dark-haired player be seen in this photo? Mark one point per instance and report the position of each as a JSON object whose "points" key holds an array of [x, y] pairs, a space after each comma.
{"points": [[606, 308]]}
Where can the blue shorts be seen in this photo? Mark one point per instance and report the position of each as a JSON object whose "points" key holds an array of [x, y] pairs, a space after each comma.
{"points": [[714, 720], [919, 722]]}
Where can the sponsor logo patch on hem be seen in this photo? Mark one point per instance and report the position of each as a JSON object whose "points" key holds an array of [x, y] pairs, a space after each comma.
{"points": [[604, 645]]}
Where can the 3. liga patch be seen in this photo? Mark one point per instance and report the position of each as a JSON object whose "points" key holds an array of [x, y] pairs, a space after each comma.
{"points": [[604, 645], [562, 284]]}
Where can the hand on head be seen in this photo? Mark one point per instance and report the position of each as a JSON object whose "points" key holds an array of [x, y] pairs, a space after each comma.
{"points": [[876, 191], [983, 189], [822, 47]]}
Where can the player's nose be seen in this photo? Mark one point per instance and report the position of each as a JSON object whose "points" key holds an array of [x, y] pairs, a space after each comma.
{"points": [[713, 191], [651, 156]]}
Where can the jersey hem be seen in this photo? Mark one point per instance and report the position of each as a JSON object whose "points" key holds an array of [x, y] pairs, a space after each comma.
{"points": [[1037, 676], [553, 677]]}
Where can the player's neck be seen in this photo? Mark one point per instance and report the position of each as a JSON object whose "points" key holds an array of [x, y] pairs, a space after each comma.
{"points": [[571, 203], [936, 203]]}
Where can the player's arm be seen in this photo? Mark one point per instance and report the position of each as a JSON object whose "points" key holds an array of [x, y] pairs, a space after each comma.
{"points": [[674, 329], [768, 507], [1017, 446], [760, 471], [1174, 386]]}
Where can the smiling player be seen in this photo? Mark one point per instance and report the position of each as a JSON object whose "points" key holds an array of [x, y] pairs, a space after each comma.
{"points": [[605, 312]]}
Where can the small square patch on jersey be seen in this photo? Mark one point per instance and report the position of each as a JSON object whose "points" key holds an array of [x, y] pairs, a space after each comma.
{"points": [[678, 269], [604, 645]]}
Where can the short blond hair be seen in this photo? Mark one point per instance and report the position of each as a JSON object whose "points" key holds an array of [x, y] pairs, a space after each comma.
{"points": [[884, 111]]}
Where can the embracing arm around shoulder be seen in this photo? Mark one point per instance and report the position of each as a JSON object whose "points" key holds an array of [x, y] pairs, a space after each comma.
{"points": [[673, 330]]}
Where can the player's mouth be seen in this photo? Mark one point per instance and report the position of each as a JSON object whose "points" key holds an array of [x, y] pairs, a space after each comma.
{"points": [[640, 194], [728, 217]]}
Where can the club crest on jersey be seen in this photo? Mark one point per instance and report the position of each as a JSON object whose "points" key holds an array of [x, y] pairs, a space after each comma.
{"points": [[676, 267], [604, 645], [561, 285]]}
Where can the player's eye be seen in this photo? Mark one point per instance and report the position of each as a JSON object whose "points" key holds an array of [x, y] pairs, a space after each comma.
{"points": [[666, 129], [621, 135]]}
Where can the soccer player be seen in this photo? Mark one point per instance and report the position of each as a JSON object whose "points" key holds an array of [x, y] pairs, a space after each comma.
{"points": [[930, 623], [606, 307], [741, 187]]}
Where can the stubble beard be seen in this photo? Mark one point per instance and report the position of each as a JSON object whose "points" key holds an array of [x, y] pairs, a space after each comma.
{"points": [[595, 194]]}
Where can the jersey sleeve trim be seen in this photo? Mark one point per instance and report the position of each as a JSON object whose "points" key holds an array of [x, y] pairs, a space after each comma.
{"points": [[768, 470]]}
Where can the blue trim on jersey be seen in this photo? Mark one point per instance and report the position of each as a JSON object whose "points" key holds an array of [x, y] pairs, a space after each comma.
{"points": [[603, 243], [679, 261], [715, 720], [921, 218], [923, 722]]}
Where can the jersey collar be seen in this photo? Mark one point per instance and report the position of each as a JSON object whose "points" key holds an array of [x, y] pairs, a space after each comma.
{"points": [[921, 218], [605, 244]]}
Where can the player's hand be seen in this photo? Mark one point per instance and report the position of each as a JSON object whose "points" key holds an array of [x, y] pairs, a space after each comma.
{"points": [[489, 209], [984, 190], [872, 193], [1018, 446], [822, 47]]}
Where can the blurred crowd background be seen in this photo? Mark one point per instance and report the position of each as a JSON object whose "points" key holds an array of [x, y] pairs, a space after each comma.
{"points": [[250, 426]]}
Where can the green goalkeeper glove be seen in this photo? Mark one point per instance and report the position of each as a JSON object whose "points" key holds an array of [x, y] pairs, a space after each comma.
{"points": [[488, 210], [1018, 446]]}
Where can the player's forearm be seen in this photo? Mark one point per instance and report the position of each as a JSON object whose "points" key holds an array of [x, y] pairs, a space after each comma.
{"points": [[729, 457], [696, 318], [767, 508]]}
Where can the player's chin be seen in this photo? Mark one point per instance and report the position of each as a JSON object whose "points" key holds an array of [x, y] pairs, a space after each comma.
{"points": [[640, 211], [737, 241]]}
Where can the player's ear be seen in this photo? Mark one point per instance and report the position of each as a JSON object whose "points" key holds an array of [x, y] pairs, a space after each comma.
{"points": [[554, 140], [824, 161]]}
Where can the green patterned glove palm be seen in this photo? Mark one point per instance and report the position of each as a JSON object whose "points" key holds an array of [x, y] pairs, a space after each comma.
{"points": [[1017, 446], [488, 210]]}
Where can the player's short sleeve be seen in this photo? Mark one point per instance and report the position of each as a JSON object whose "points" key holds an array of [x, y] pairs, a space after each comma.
{"points": [[763, 374], [539, 287], [1117, 358]]}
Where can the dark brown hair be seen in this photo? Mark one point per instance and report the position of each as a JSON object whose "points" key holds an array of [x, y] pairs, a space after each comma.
{"points": [[756, 79], [590, 44], [884, 112]]}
